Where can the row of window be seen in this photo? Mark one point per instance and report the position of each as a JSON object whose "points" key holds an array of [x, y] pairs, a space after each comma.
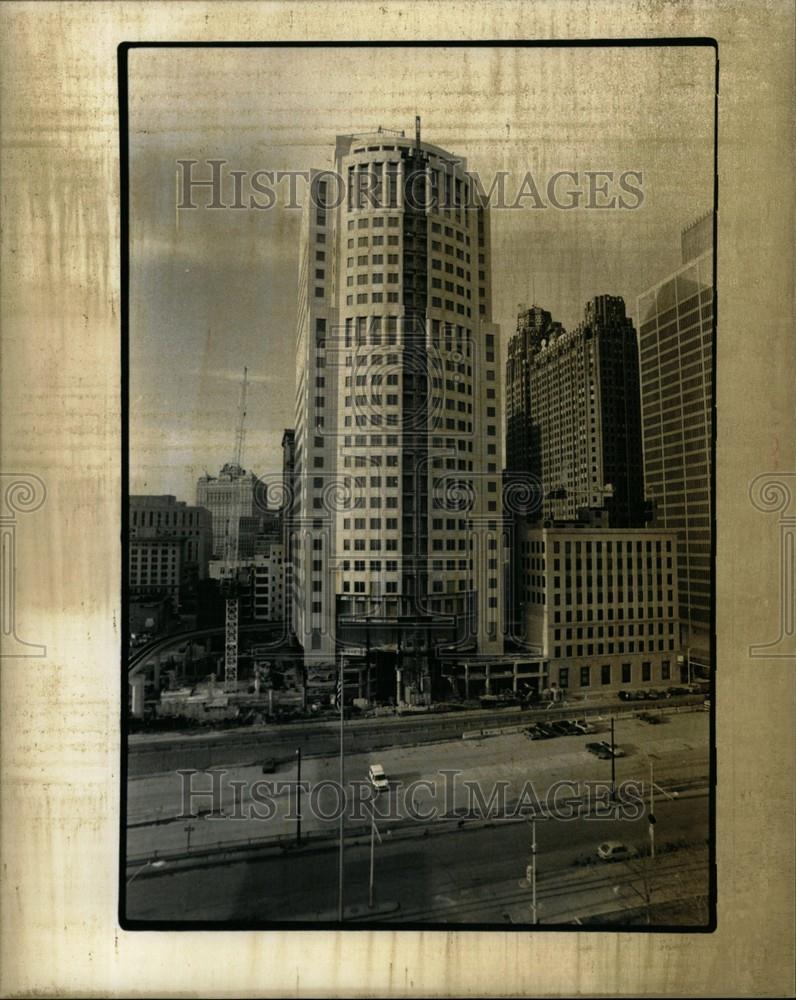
{"points": [[606, 673]]}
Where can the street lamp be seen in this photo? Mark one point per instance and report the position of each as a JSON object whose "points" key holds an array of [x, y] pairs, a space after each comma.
{"points": [[374, 833], [530, 875], [157, 863], [652, 819]]}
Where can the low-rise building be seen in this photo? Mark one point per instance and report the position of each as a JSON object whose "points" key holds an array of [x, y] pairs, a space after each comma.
{"points": [[601, 605], [258, 582]]}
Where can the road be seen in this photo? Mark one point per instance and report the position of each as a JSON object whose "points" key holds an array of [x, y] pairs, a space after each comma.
{"points": [[678, 750], [467, 876], [150, 753]]}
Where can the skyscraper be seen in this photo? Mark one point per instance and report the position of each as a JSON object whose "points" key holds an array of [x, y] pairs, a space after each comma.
{"points": [[534, 327], [676, 341], [396, 553], [574, 413], [230, 498]]}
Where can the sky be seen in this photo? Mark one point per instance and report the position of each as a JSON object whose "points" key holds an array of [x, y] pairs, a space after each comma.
{"points": [[212, 291]]}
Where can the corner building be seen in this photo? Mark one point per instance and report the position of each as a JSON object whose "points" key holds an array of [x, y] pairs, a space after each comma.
{"points": [[397, 542], [602, 605]]}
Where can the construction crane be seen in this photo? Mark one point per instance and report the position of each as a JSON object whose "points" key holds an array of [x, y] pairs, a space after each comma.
{"points": [[231, 553], [240, 431], [234, 513]]}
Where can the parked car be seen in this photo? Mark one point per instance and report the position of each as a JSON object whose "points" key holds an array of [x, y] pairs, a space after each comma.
{"points": [[547, 729], [378, 778], [676, 691], [269, 765], [535, 733], [599, 750], [653, 718], [612, 751], [584, 727], [653, 694], [615, 850], [562, 727], [632, 695]]}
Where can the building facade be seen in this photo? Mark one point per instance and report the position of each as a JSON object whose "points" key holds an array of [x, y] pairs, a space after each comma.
{"points": [[230, 497], [583, 433], [169, 547], [258, 582], [601, 606], [398, 415], [676, 343], [535, 326]]}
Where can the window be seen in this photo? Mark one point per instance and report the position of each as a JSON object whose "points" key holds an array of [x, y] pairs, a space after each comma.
{"points": [[563, 677], [585, 677], [605, 673], [666, 670], [646, 671]]}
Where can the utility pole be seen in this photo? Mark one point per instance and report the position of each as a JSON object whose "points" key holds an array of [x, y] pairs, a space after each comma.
{"points": [[613, 763], [533, 872], [529, 882], [340, 695], [652, 812], [298, 796], [373, 834]]}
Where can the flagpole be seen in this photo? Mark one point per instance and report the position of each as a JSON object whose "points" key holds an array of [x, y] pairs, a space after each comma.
{"points": [[340, 688]]}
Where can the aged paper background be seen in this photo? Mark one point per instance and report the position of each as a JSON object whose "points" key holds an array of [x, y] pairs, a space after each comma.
{"points": [[61, 404]]}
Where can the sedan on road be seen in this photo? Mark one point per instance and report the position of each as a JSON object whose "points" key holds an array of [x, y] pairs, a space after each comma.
{"points": [[615, 850]]}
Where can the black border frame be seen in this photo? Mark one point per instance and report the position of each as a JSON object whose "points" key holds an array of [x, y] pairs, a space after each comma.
{"points": [[129, 924]]}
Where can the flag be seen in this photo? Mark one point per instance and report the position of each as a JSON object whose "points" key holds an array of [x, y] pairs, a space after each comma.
{"points": [[340, 683]]}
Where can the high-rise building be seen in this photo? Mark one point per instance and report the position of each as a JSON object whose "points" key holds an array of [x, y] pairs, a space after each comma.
{"points": [[169, 547], [396, 546], [535, 326], [287, 511], [576, 415], [676, 342], [230, 496]]}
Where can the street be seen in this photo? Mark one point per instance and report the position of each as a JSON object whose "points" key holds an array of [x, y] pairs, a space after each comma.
{"points": [[157, 805], [471, 875]]}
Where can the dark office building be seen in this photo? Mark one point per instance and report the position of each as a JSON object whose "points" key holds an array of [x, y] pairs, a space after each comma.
{"points": [[676, 342], [535, 326], [576, 414]]}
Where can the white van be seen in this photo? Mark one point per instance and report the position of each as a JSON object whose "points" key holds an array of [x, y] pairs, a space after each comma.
{"points": [[378, 778]]}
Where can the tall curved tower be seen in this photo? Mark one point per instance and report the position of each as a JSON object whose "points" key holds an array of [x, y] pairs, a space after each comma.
{"points": [[398, 545]]}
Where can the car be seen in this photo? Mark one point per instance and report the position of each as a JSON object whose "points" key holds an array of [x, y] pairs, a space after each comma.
{"points": [[535, 733], [615, 850], [676, 691], [653, 694], [269, 765], [653, 718], [562, 727], [632, 695], [613, 751], [547, 730], [584, 727], [378, 778], [599, 750]]}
